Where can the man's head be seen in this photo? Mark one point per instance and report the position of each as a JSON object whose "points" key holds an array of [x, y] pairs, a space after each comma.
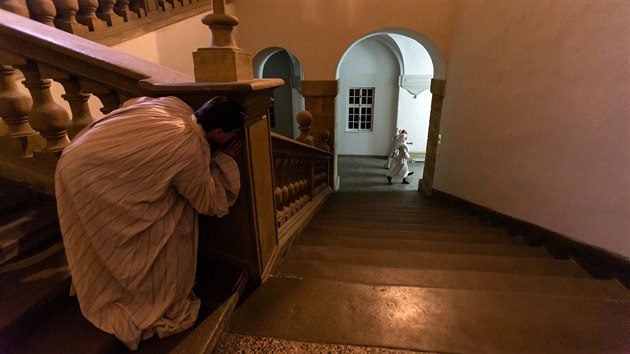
{"points": [[220, 118]]}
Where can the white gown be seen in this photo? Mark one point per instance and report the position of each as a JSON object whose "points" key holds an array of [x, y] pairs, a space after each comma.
{"points": [[398, 168], [128, 189]]}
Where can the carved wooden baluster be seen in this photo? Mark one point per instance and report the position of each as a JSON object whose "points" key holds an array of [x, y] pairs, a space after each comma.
{"points": [[106, 13], [108, 97], [87, 15], [18, 7], [14, 104], [66, 17], [304, 120], [78, 101], [173, 4], [279, 212], [42, 11], [122, 10], [47, 117], [139, 7], [324, 138]]}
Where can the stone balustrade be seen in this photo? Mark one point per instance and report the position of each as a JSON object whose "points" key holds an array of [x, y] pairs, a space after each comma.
{"points": [[80, 17], [302, 175]]}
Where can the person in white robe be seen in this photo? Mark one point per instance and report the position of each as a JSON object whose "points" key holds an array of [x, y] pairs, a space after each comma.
{"points": [[128, 190], [398, 168]]}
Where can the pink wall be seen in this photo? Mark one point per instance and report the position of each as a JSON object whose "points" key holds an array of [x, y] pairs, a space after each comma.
{"points": [[536, 116], [319, 32]]}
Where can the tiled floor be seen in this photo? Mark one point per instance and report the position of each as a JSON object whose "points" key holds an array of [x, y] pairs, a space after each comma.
{"points": [[367, 173]]}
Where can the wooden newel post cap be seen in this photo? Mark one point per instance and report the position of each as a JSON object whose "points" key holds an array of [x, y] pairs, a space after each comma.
{"points": [[304, 119]]}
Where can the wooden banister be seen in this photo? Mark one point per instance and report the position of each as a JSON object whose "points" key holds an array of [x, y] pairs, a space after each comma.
{"points": [[283, 181]]}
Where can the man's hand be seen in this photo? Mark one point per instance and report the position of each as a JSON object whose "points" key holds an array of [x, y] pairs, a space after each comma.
{"points": [[232, 147]]}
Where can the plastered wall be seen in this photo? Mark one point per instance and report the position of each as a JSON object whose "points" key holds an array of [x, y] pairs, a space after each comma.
{"points": [[535, 122], [319, 32]]}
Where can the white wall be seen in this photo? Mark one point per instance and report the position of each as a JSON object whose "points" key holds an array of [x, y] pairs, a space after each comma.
{"points": [[535, 122], [368, 64], [414, 109]]}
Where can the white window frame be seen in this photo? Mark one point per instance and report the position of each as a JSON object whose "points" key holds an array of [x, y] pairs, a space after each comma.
{"points": [[360, 114]]}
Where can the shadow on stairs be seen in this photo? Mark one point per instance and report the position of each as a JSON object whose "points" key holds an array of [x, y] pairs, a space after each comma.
{"points": [[398, 272]]}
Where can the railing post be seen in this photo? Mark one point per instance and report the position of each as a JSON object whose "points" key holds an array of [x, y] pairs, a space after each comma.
{"points": [[47, 117], [66, 17], [14, 104], [106, 13], [87, 15], [42, 11], [235, 64], [304, 120]]}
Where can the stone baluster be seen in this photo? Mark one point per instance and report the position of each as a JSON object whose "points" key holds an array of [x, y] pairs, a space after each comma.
{"points": [[106, 13], [66, 17], [122, 10], [42, 11], [87, 15], [46, 116], [18, 7], [14, 106], [304, 120]]}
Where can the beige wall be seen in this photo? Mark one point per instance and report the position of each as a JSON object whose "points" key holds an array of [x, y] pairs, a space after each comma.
{"points": [[536, 116], [318, 32]]}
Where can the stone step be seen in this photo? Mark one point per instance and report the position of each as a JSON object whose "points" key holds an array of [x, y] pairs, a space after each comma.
{"points": [[432, 320], [27, 229], [464, 280], [423, 246], [411, 226], [441, 261], [495, 236], [352, 217]]}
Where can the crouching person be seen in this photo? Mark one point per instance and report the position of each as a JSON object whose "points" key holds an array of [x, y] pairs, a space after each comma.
{"points": [[128, 189]]}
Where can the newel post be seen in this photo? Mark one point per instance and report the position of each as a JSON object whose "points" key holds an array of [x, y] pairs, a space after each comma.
{"points": [[304, 119], [235, 64]]}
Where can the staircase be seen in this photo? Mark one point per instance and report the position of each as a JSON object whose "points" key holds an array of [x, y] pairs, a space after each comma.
{"points": [[37, 315], [393, 272]]}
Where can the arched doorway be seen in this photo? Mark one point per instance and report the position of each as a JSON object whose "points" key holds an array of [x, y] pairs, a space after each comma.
{"points": [[394, 69], [288, 101]]}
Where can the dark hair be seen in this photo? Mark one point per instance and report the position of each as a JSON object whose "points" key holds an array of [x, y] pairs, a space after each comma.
{"points": [[221, 112]]}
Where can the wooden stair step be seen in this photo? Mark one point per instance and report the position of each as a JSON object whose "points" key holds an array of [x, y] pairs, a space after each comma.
{"points": [[423, 246], [432, 320], [443, 261], [488, 236], [463, 279]]}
